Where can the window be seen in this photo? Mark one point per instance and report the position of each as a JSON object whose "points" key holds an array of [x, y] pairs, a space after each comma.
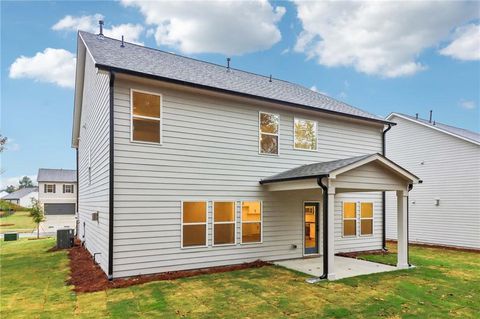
{"points": [[305, 135], [194, 224], [349, 219], [223, 223], [269, 127], [252, 222], [146, 117], [67, 188], [49, 188], [366, 219]]}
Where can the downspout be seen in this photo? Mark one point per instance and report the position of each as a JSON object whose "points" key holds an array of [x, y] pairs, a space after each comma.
{"points": [[111, 172], [384, 209], [325, 226]]}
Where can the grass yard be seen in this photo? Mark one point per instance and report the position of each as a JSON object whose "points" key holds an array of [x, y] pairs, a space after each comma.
{"points": [[445, 284], [22, 223]]}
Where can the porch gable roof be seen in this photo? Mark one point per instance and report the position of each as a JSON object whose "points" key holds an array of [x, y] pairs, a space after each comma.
{"points": [[334, 168]]}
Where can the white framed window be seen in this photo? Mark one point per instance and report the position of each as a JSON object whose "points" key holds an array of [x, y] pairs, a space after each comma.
{"points": [[269, 133], [366, 219], [49, 188], [146, 117], [349, 218], [224, 225], [305, 134], [194, 224], [68, 188], [252, 222]]}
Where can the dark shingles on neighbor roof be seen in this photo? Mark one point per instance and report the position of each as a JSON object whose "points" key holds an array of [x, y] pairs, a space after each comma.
{"points": [[22, 192], [314, 170], [467, 134], [57, 175], [139, 59]]}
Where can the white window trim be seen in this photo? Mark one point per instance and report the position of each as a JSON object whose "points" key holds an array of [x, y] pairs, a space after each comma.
{"points": [[225, 223], [160, 119], [182, 224], [369, 218], [251, 222], [53, 189], [65, 186], [271, 134], [355, 219], [294, 135]]}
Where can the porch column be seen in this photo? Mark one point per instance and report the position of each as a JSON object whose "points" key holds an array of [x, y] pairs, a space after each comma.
{"points": [[331, 233], [402, 215]]}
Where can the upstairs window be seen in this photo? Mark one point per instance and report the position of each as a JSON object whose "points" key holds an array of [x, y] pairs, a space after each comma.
{"points": [[305, 135], [269, 133], [49, 188], [68, 188], [223, 223], [366, 219], [146, 117], [349, 219], [252, 222], [194, 224]]}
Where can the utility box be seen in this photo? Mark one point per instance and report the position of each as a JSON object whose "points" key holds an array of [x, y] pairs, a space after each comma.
{"points": [[65, 238], [10, 236]]}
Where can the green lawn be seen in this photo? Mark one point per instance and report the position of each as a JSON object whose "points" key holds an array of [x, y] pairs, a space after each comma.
{"points": [[22, 223], [445, 284]]}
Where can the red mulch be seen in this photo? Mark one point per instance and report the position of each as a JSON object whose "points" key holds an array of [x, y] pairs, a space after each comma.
{"points": [[366, 252], [3, 225], [85, 276], [468, 250]]}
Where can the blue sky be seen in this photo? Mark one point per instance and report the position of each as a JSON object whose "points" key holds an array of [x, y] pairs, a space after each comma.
{"points": [[412, 67]]}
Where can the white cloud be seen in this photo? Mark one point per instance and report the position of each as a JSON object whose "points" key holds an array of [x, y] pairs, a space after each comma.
{"points": [[466, 45], [11, 146], [89, 23], [227, 27], [467, 104], [14, 180], [378, 38], [52, 66]]}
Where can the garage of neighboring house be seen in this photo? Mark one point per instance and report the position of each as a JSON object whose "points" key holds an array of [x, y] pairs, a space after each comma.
{"points": [[59, 208]]}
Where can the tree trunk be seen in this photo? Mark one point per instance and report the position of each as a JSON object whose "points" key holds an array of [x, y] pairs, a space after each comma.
{"points": [[38, 231]]}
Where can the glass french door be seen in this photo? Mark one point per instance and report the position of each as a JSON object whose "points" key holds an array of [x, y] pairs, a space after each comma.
{"points": [[311, 219]]}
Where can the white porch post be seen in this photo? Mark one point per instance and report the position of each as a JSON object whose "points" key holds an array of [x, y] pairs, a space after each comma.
{"points": [[402, 215], [331, 233]]}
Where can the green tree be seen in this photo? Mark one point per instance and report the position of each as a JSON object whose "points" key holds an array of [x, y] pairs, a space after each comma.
{"points": [[25, 182], [10, 189], [3, 141], [36, 212]]}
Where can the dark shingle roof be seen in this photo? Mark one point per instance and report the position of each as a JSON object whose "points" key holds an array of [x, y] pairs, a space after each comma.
{"points": [[57, 175], [469, 135], [107, 53], [22, 192], [313, 170]]}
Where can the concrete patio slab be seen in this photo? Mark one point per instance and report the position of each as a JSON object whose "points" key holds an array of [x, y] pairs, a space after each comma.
{"points": [[344, 267]]}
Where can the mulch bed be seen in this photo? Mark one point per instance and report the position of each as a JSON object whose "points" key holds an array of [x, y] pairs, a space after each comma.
{"points": [[3, 225], [468, 250], [86, 276], [366, 252]]}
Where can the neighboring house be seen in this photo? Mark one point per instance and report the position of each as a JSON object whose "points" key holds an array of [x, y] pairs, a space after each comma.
{"points": [[445, 209], [23, 196], [57, 191], [3, 194], [185, 164]]}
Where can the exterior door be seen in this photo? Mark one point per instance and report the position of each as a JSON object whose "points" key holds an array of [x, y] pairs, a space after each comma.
{"points": [[311, 220]]}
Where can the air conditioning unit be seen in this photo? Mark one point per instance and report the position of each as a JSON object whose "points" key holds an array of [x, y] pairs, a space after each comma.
{"points": [[65, 238]]}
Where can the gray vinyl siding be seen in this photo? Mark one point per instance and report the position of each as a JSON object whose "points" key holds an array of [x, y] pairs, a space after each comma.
{"points": [[451, 172], [210, 152], [94, 138]]}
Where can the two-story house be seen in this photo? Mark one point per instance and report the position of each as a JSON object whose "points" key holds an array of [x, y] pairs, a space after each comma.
{"points": [[185, 164], [57, 191]]}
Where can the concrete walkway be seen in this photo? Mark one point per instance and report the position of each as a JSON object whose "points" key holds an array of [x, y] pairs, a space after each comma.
{"points": [[344, 267]]}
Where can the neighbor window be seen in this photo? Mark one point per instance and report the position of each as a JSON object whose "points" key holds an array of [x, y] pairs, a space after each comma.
{"points": [[223, 223], [269, 127], [366, 218], [251, 222], [68, 188], [194, 224], [146, 117], [49, 188], [349, 219], [305, 132]]}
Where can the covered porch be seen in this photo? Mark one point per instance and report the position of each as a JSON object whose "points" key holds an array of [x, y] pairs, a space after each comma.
{"points": [[361, 174]]}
